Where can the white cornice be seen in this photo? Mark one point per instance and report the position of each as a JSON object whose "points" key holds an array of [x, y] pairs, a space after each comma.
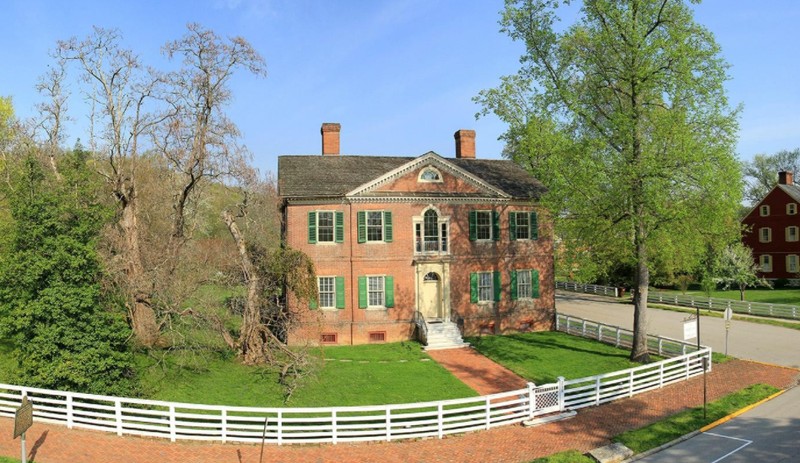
{"points": [[429, 158]]}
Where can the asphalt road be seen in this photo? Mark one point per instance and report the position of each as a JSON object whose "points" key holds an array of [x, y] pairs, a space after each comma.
{"points": [[769, 433], [751, 341]]}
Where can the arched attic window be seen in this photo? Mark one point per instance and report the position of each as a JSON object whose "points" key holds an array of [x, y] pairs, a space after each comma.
{"points": [[430, 175]]}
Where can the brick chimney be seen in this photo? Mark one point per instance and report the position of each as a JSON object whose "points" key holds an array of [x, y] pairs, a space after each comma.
{"points": [[330, 138], [465, 144], [785, 178]]}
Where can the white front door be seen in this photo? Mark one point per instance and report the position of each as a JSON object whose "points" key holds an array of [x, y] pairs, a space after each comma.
{"points": [[431, 296]]}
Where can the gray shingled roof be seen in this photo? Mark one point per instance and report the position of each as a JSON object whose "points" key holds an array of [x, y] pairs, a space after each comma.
{"points": [[330, 176], [791, 190]]}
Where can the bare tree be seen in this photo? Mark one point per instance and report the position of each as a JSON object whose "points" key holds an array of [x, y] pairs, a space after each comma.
{"points": [[52, 113]]}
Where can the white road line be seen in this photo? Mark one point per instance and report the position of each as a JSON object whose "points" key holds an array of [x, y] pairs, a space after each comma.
{"points": [[746, 443]]}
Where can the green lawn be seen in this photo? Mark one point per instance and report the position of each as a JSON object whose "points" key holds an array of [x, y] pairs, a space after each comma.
{"points": [[774, 296], [570, 456], [360, 375], [544, 356]]}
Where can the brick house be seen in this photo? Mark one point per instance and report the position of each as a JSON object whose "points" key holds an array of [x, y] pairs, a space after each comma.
{"points": [[772, 230], [457, 242]]}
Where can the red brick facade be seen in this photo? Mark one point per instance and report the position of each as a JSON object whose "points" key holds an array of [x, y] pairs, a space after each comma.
{"points": [[439, 281], [772, 231]]}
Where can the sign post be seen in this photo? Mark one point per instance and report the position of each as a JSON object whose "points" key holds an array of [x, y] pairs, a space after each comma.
{"points": [[728, 317], [23, 419]]}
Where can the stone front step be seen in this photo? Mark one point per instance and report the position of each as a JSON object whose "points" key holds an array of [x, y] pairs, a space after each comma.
{"points": [[444, 335]]}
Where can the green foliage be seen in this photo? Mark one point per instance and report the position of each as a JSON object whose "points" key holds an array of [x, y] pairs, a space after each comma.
{"points": [[762, 172], [623, 115], [735, 267], [542, 357], [669, 429], [570, 456], [66, 332]]}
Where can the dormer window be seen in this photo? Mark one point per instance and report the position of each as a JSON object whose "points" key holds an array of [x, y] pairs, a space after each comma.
{"points": [[763, 211], [430, 175]]}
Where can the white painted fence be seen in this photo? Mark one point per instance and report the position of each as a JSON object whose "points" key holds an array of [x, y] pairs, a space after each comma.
{"points": [[174, 421], [588, 288], [713, 303]]}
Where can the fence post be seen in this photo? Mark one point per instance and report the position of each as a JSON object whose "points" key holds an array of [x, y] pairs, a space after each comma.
{"points": [[630, 383], [333, 426], [224, 417], [388, 424], [583, 329], [561, 394], [118, 415], [488, 412], [660, 344], [683, 349], [440, 423], [558, 319], [597, 390], [617, 344], [172, 432], [70, 410], [661, 375], [280, 427], [600, 332], [531, 398]]}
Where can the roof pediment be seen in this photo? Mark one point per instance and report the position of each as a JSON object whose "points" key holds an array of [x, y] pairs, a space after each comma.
{"points": [[465, 183]]}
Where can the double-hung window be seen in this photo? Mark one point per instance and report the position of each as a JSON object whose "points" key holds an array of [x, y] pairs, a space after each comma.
{"points": [[325, 227], [523, 226], [484, 287], [524, 284], [766, 263], [374, 226], [376, 292], [484, 226], [430, 233], [791, 263], [765, 234], [791, 233], [330, 293]]}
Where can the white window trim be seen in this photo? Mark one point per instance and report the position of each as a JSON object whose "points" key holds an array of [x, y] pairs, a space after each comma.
{"points": [[491, 226], [491, 288], [765, 268], [333, 241], [527, 214], [530, 284], [383, 291], [319, 293], [761, 235], [796, 234], [763, 210], [430, 168], [791, 208], [383, 226], [441, 220], [796, 263]]}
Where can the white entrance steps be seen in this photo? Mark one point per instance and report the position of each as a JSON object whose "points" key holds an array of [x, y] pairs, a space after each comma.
{"points": [[443, 335]]}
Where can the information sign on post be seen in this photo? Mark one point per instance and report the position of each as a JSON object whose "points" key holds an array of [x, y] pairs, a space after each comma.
{"points": [[23, 419], [689, 328]]}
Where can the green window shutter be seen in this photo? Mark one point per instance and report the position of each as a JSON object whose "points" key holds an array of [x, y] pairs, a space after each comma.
{"points": [[312, 303], [514, 296], [473, 225], [388, 283], [312, 227], [497, 287], [339, 227], [473, 287], [362, 292], [387, 226], [340, 292], [362, 226], [535, 283], [512, 226], [534, 226], [495, 226]]}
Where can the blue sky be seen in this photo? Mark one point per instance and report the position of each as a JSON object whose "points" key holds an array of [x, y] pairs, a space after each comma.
{"points": [[398, 75]]}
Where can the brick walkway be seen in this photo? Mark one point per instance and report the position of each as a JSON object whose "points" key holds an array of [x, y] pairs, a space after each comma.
{"points": [[478, 372], [591, 428]]}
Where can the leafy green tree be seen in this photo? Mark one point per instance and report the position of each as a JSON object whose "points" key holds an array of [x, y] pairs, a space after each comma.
{"points": [[762, 172], [736, 267], [66, 332], [623, 115]]}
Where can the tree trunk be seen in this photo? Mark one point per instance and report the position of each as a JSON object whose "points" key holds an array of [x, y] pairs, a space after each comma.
{"points": [[741, 292], [252, 340], [639, 351], [143, 317]]}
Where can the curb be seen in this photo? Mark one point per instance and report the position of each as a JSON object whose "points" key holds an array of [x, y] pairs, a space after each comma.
{"points": [[661, 447], [771, 365], [739, 412]]}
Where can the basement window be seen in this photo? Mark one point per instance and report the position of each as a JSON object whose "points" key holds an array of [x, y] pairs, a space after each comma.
{"points": [[329, 338], [377, 336]]}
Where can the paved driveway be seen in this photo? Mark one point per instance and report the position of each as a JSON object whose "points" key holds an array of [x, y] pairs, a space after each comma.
{"points": [[752, 341]]}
